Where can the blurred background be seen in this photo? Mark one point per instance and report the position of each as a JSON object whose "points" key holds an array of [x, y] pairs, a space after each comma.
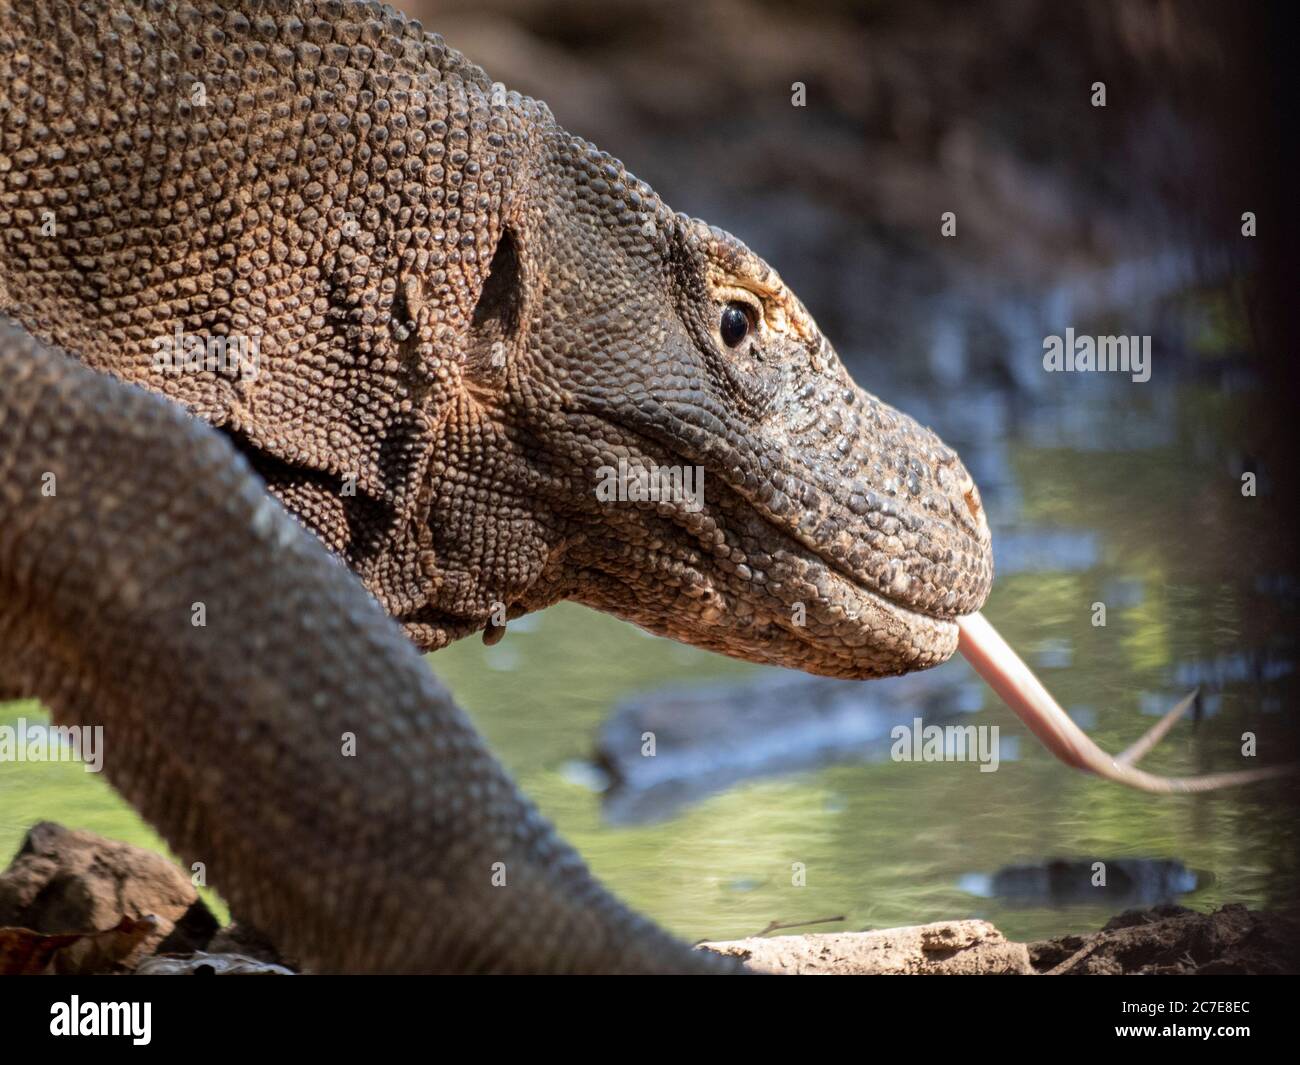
{"points": [[1124, 219]]}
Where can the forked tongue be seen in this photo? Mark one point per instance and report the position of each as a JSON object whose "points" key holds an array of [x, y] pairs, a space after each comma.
{"points": [[1006, 673]]}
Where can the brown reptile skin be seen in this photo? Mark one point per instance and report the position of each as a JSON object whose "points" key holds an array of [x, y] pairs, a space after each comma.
{"points": [[463, 312], [229, 737]]}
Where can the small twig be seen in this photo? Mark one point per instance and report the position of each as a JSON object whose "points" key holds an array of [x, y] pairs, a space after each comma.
{"points": [[1074, 959], [775, 926]]}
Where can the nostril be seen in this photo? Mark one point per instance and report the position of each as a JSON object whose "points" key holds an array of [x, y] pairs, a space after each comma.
{"points": [[976, 508], [950, 467]]}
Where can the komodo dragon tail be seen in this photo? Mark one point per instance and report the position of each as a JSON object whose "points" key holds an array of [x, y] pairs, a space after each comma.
{"points": [[260, 709]]}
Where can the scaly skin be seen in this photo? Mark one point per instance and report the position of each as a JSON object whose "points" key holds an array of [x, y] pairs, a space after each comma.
{"points": [[464, 313], [380, 861]]}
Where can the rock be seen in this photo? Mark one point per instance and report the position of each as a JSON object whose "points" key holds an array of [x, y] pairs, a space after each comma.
{"points": [[63, 881], [955, 948]]}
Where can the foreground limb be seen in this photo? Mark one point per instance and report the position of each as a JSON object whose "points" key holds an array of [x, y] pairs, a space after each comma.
{"points": [[232, 736]]}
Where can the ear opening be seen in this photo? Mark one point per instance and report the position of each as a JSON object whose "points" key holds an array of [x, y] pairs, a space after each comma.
{"points": [[499, 311]]}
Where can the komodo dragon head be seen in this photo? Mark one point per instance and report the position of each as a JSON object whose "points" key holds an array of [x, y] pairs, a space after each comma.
{"points": [[799, 520], [468, 323]]}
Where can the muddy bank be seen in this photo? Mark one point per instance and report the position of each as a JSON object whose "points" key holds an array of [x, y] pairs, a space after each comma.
{"points": [[1166, 940], [72, 902], [1179, 942]]}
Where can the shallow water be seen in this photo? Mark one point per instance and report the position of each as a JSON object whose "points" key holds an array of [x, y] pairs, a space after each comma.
{"points": [[1099, 491]]}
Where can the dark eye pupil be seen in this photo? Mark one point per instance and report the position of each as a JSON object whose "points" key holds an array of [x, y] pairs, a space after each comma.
{"points": [[735, 324]]}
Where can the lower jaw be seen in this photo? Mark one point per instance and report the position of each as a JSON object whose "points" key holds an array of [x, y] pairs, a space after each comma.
{"points": [[887, 640], [850, 630]]}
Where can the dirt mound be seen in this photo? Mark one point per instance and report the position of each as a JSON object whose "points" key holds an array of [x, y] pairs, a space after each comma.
{"points": [[1177, 941]]}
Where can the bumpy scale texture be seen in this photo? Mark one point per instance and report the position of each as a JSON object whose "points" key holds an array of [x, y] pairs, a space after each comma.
{"points": [[462, 315], [309, 758]]}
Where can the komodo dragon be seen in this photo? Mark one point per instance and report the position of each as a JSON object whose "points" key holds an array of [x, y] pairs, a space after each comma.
{"points": [[453, 315]]}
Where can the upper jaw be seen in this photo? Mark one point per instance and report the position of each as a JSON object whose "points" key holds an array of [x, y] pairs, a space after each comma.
{"points": [[879, 498], [837, 625], [921, 567], [920, 545]]}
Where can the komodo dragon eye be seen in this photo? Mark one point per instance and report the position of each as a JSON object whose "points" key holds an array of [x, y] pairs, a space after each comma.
{"points": [[737, 320]]}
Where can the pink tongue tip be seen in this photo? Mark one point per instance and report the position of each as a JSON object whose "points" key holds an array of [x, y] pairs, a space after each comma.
{"points": [[1006, 673]]}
